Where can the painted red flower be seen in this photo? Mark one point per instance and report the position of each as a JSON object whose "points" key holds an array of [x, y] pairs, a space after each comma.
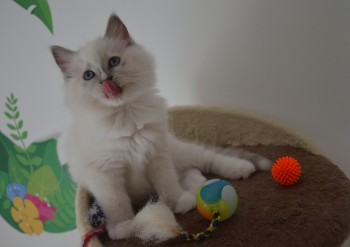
{"points": [[46, 211]]}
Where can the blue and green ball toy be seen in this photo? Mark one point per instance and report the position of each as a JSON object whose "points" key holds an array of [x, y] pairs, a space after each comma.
{"points": [[217, 201], [217, 195]]}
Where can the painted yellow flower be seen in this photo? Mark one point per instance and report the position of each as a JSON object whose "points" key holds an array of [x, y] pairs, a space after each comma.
{"points": [[25, 213]]}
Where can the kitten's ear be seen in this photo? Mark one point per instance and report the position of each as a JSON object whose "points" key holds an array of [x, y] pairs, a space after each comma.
{"points": [[63, 58], [117, 30]]}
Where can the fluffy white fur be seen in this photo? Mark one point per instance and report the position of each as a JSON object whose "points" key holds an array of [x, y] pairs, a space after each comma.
{"points": [[120, 149], [155, 222]]}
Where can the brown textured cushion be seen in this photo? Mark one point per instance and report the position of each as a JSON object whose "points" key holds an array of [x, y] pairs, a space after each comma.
{"points": [[315, 212]]}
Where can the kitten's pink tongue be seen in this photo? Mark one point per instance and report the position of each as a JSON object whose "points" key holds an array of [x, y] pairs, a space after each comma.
{"points": [[111, 89]]}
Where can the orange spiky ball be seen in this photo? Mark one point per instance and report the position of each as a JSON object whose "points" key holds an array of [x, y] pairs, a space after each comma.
{"points": [[286, 171]]}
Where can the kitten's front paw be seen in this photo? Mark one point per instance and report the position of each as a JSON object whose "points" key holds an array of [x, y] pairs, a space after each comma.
{"points": [[120, 231], [186, 202], [242, 170]]}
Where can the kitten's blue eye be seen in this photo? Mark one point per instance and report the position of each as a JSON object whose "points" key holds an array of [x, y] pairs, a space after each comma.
{"points": [[114, 61], [88, 75]]}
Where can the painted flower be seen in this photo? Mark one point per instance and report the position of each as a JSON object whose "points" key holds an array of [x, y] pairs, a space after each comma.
{"points": [[15, 190], [26, 215], [46, 211]]}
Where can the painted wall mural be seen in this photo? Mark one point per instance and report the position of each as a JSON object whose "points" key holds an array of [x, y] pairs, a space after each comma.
{"points": [[36, 190], [40, 9]]}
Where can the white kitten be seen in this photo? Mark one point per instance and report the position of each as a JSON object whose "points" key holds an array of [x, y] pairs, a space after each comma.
{"points": [[119, 147]]}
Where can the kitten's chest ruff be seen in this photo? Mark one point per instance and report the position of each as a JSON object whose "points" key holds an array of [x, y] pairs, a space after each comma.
{"points": [[122, 126], [114, 138], [121, 141]]}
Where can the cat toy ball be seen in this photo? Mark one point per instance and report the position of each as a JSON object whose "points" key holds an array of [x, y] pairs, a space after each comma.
{"points": [[286, 171], [217, 201], [217, 195]]}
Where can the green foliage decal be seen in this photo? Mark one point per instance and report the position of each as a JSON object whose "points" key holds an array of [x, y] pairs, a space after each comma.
{"points": [[36, 192], [41, 10]]}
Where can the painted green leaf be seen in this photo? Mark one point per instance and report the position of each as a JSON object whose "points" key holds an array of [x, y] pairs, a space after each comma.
{"points": [[20, 124], [12, 100], [43, 183], [17, 172], [16, 137], [6, 204], [3, 183], [25, 173], [4, 157], [23, 160], [31, 149], [10, 108], [11, 127], [8, 115], [24, 135], [16, 115], [47, 150], [19, 149], [64, 204], [9, 163], [41, 10], [37, 161]]}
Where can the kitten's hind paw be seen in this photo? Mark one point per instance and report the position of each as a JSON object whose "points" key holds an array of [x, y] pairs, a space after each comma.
{"points": [[186, 202]]}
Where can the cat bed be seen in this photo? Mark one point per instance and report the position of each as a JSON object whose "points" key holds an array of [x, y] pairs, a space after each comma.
{"points": [[314, 212]]}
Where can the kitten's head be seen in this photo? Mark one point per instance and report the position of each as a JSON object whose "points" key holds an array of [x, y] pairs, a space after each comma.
{"points": [[111, 70]]}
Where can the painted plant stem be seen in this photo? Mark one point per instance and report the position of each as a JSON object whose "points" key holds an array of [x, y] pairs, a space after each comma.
{"points": [[24, 148], [17, 126]]}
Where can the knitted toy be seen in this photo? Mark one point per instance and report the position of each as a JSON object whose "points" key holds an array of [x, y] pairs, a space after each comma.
{"points": [[286, 171]]}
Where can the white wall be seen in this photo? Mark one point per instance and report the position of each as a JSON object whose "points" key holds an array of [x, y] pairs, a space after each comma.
{"points": [[285, 60]]}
